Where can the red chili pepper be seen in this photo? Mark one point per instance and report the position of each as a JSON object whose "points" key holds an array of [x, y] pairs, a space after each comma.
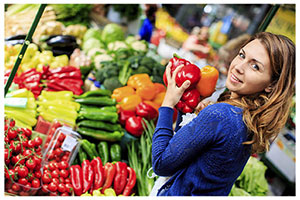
{"points": [[109, 175], [74, 75], [28, 73], [124, 115], [145, 110], [130, 182], [176, 61], [87, 175], [63, 69], [120, 177], [33, 78], [55, 86], [76, 179], [134, 125], [98, 173]]}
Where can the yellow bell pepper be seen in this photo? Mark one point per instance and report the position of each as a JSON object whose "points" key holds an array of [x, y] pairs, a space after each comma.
{"points": [[147, 91], [130, 102], [120, 93], [138, 80], [158, 99]]}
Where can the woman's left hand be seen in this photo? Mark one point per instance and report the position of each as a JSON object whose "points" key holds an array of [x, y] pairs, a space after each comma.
{"points": [[173, 93]]}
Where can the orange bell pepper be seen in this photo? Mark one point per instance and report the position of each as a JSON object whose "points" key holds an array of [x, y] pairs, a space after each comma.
{"points": [[130, 102], [120, 93], [159, 98], [138, 80], [147, 91], [159, 88], [154, 105], [209, 77]]}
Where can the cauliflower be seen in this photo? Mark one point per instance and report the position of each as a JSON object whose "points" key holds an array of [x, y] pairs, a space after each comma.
{"points": [[114, 46], [94, 51], [100, 58], [139, 46]]}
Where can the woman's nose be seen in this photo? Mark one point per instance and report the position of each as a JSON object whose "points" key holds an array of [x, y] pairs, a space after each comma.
{"points": [[240, 67]]}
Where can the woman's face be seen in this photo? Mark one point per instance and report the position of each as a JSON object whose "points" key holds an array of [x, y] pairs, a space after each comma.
{"points": [[250, 71]]}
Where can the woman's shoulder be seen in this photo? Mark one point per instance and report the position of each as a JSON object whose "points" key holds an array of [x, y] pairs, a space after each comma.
{"points": [[225, 107]]}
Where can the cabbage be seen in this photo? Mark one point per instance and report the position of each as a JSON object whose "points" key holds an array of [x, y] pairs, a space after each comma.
{"points": [[111, 33], [91, 43], [92, 33]]}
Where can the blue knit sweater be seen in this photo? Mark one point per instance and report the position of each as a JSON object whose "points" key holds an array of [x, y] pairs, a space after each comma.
{"points": [[204, 157]]}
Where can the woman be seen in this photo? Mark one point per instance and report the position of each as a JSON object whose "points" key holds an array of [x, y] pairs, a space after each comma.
{"points": [[207, 155]]}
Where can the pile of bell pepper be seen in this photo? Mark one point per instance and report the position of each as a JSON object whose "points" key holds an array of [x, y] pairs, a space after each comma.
{"points": [[30, 79], [202, 82], [58, 105], [63, 78], [139, 99], [98, 117], [24, 117], [94, 178]]}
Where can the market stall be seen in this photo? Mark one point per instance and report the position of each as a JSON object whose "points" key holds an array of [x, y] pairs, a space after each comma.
{"points": [[82, 99]]}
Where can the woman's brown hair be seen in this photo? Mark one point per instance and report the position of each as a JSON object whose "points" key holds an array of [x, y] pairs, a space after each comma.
{"points": [[265, 114]]}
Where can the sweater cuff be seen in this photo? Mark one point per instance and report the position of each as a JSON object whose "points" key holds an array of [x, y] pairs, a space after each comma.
{"points": [[165, 118]]}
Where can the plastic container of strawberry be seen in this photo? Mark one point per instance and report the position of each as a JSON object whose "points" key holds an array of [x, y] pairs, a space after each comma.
{"points": [[23, 160], [59, 155]]}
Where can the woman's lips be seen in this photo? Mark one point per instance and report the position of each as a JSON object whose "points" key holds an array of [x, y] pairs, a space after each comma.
{"points": [[234, 79]]}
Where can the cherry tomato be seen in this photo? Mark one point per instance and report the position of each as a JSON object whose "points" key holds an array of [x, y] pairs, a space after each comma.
{"points": [[61, 187], [38, 174], [64, 173], [6, 152], [27, 132], [61, 137], [27, 152], [23, 181], [61, 180], [58, 152], [55, 173], [37, 160], [65, 158], [30, 144], [69, 187], [67, 180], [38, 141], [36, 183], [10, 172], [46, 178], [30, 177], [30, 163], [27, 187], [12, 123], [63, 165], [15, 146], [54, 193], [15, 187], [57, 144], [45, 188], [52, 187], [6, 140], [18, 158], [55, 180], [64, 194], [53, 165], [11, 134]]}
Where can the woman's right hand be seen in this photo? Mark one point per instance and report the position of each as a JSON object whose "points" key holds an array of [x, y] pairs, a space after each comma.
{"points": [[173, 93], [201, 105]]}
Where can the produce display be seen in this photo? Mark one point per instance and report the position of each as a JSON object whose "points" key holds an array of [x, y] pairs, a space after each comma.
{"points": [[82, 110]]}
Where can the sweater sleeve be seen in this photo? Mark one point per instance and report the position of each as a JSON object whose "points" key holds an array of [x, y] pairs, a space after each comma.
{"points": [[170, 153]]}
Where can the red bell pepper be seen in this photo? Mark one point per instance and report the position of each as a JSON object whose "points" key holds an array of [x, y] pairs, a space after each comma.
{"points": [[74, 75], [98, 173], [76, 179], [120, 177], [176, 61], [146, 111], [189, 101], [63, 69], [87, 175], [134, 125], [124, 115], [109, 175], [130, 182], [189, 72]]}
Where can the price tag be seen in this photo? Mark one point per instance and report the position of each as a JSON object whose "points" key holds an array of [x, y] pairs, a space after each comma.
{"points": [[69, 143]]}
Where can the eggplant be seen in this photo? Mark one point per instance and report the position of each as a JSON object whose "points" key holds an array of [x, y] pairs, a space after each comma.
{"points": [[15, 37], [14, 42], [62, 41], [60, 51]]}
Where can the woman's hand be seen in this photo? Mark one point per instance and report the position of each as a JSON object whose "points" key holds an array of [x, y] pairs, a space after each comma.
{"points": [[173, 93], [201, 105]]}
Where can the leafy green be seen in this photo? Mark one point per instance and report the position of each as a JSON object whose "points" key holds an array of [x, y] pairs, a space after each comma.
{"points": [[252, 179], [125, 73], [73, 13]]}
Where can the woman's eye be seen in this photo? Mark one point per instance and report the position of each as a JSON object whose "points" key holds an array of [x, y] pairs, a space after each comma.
{"points": [[255, 66], [241, 55]]}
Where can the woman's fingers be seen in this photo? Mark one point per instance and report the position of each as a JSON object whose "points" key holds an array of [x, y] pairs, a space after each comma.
{"points": [[168, 71], [176, 71]]}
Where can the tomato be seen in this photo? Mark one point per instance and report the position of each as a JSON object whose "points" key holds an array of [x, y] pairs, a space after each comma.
{"points": [[69, 187], [64, 194], [53, 165], [57, 144], [55, 180], [6, 156], [10, 172], [15, 187], [27, 132], [12, 123], [52, 187], [46, 178], [11, 134], [64, 173], [36, 183], [30, 164], [27, 187], [46, 167], [61, 180], [55, 173], [61, 187], [23, 181], [30, 177], [37, 160], [24, 143], [27, 152], [65, 158], [6, 140], [15, 146], [18, 158], [38, 174], [61, 137], [54, 194], [30, 144], [38, 141], [67, 180], [58, 152], [45, 188], [63, 165]]}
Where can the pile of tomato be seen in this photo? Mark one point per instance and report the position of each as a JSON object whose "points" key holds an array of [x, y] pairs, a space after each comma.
{"points": [[23, 160]]}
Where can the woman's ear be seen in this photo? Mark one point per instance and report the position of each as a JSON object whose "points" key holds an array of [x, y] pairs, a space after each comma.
{"points": [[270, 87]]}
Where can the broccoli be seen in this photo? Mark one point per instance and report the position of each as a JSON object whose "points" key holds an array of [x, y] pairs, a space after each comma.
{"points": [[107, 71], [112, 83], [141, 70]]}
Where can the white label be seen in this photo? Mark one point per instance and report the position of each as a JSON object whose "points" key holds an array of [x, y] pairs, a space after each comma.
{"points": [[69, 143]]}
